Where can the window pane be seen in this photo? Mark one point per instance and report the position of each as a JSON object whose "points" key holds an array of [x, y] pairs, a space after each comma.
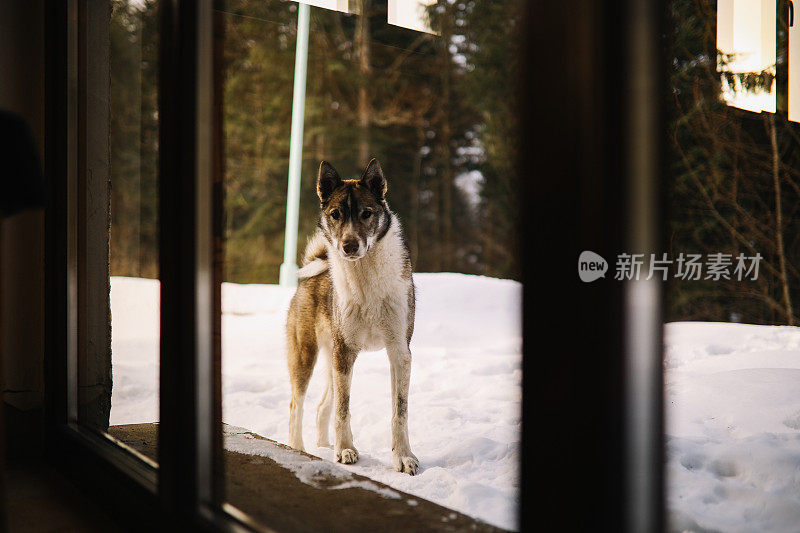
{"points": [[438, 113], [732, 348], [794, 69], [411, 14], [135, 290], [336, 5], [746, 45]]}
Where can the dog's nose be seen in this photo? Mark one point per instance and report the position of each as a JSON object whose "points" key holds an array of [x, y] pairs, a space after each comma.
{"points": [[350, 246]]}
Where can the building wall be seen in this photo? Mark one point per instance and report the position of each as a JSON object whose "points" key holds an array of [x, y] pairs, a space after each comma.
{"points": [[22, 235]]}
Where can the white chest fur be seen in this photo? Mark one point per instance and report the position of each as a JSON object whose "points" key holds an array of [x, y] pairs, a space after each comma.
{"points": [[371, 294]]}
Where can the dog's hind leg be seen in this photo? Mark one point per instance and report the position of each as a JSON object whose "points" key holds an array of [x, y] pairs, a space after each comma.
{"points": [[343, 359], [400, 367], [302, 356], [326, 403]]}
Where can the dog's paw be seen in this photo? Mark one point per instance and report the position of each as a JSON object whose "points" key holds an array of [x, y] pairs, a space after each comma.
{"points": [[323, 443], [347, 456], [406, 463]]}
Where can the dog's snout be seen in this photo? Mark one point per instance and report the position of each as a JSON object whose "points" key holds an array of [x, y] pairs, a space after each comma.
{"points": [[350, 246]]}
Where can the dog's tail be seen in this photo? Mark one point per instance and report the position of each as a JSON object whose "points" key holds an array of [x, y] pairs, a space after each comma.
{"points": [[315, 258]]}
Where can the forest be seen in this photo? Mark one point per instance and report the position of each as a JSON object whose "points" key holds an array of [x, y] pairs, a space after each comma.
{"points": [[438, 111], [732, 181]]}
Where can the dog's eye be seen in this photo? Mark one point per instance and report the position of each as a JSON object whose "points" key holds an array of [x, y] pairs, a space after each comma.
{"points": [[366, 214], [335, 214]]}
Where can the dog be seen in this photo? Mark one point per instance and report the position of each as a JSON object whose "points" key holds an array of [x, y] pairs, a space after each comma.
{"points": [[355, 292]]}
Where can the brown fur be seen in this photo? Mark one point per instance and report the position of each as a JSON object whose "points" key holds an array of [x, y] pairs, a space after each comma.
{"points": [[311, 304]]}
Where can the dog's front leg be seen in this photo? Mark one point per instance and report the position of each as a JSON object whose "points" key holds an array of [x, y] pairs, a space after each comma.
{"points": [[343, 359], [400, 365]]}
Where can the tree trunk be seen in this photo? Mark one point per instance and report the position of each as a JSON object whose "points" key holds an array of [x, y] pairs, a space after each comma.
{"points": [[446, 179], [413, 224], [780, 250], [362, 45]]}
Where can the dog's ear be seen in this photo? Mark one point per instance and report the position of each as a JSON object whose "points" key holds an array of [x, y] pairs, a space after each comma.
{"points": [[327, 180], [374, 180]]}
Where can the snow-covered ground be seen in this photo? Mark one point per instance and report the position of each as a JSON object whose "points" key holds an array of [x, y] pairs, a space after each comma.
{"points": [[732, 400], [733, 427], [464, 402]]}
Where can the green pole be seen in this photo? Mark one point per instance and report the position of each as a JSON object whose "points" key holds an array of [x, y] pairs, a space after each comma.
{"points": [[288, 272]]}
